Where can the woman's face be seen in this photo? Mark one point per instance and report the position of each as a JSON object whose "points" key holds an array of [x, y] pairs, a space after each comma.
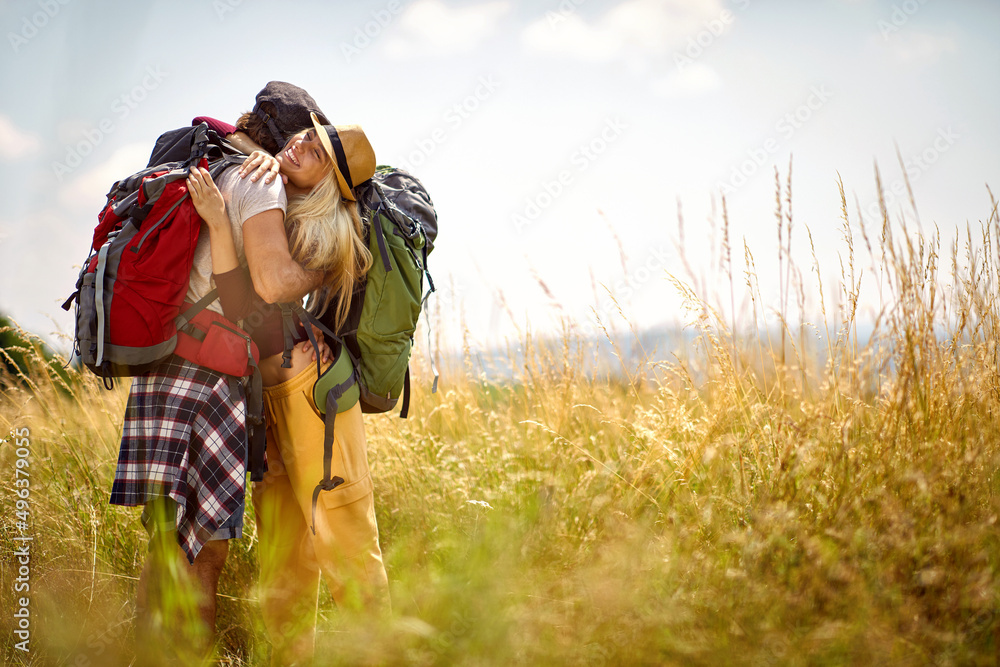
{"points": [[304, 161]]}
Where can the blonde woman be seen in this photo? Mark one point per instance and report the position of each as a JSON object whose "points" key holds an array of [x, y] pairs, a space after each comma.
{"points": [[324, 233]]}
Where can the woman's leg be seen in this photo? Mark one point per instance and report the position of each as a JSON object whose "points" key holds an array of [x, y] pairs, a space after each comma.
{"points": [[176, 600], [182, 456], [347, 545], [289, 576], [346, 540]]}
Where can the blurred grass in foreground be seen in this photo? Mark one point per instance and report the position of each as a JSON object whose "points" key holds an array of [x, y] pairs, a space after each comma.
{"points": [[751, 501]]}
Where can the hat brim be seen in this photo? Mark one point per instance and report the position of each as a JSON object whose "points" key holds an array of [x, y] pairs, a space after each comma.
{"points": [[324, 138]]}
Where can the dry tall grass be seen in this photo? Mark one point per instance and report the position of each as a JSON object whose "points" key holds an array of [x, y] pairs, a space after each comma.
{"points": [[754, 501]]}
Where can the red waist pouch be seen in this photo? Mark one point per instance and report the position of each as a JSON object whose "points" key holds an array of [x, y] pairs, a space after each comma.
{"points": [[212, 341]]}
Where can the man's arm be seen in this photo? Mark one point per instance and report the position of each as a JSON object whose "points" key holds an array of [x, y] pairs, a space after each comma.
{"points": [[276, 276], [243, 143]]}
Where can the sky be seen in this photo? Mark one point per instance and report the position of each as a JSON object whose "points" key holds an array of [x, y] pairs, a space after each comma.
{"points": [[561, 140]]}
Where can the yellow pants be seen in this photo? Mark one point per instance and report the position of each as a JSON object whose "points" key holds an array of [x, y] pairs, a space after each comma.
{"points": [[345, 547]]}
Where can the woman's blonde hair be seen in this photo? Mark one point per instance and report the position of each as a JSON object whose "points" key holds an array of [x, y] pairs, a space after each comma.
{"points": [[325, 233]]}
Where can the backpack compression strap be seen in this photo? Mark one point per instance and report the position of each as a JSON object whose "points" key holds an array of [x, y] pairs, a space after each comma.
{"points": [[288, 333], [185, 318], [380, 237], [256, 438], [102, 263], [386, 207], [430, 356], [329, 482]]}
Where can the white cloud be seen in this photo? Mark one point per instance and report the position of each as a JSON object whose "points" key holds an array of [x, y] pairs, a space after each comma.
{"points": [[430, 27], [572, 37], [71, 130], [645, 28], [86, 191], [690, 81], [915, 47], [15, 142]]}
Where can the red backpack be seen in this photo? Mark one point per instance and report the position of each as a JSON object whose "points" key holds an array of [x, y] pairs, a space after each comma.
{"points": [[134, 280]]}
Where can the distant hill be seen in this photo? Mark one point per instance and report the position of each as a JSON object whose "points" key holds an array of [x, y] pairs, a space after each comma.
{"points": [[23, 354]]}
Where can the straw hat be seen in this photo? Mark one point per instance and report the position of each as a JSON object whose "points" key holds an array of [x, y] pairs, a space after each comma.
{"points": [[353, 156]]}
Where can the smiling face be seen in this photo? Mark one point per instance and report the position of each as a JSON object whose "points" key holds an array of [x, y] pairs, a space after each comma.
{"points": [[304, 161]]}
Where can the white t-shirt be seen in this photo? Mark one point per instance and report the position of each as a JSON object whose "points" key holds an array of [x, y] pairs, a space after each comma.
{"points": [[244, 199]]}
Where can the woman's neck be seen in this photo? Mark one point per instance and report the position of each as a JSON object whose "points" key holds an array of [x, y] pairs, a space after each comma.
{"points": [[292, 190]]}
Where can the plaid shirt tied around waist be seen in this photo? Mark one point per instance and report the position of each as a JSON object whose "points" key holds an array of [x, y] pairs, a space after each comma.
{"points": [[185, 437]]}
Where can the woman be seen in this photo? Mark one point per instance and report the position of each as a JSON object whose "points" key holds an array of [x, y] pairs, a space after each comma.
{"points": [[345, 545], [183, 451]]}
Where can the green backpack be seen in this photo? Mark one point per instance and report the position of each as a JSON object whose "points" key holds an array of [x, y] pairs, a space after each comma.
{"points": [[372, 349]]}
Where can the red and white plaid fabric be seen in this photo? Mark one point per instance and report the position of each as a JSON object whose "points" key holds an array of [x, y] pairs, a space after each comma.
{"points": [[184, 437]]}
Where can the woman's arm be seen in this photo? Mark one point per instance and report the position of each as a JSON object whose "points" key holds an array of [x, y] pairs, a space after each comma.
{"points": [[211, 207], [231, 279], [236, 294]]}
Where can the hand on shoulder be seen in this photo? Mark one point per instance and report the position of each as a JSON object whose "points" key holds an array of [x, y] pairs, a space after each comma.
{"points": [[262, 164], [207, 198]]}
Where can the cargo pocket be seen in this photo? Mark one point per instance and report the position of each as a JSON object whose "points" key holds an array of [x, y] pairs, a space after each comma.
{"points": [[349, 514]]}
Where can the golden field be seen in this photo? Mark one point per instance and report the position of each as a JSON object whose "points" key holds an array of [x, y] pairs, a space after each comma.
{"points": [[763, 496]]}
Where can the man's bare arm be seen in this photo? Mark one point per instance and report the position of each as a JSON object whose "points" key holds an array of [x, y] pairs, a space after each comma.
{"points": [[243, 143], [276, 276]]}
